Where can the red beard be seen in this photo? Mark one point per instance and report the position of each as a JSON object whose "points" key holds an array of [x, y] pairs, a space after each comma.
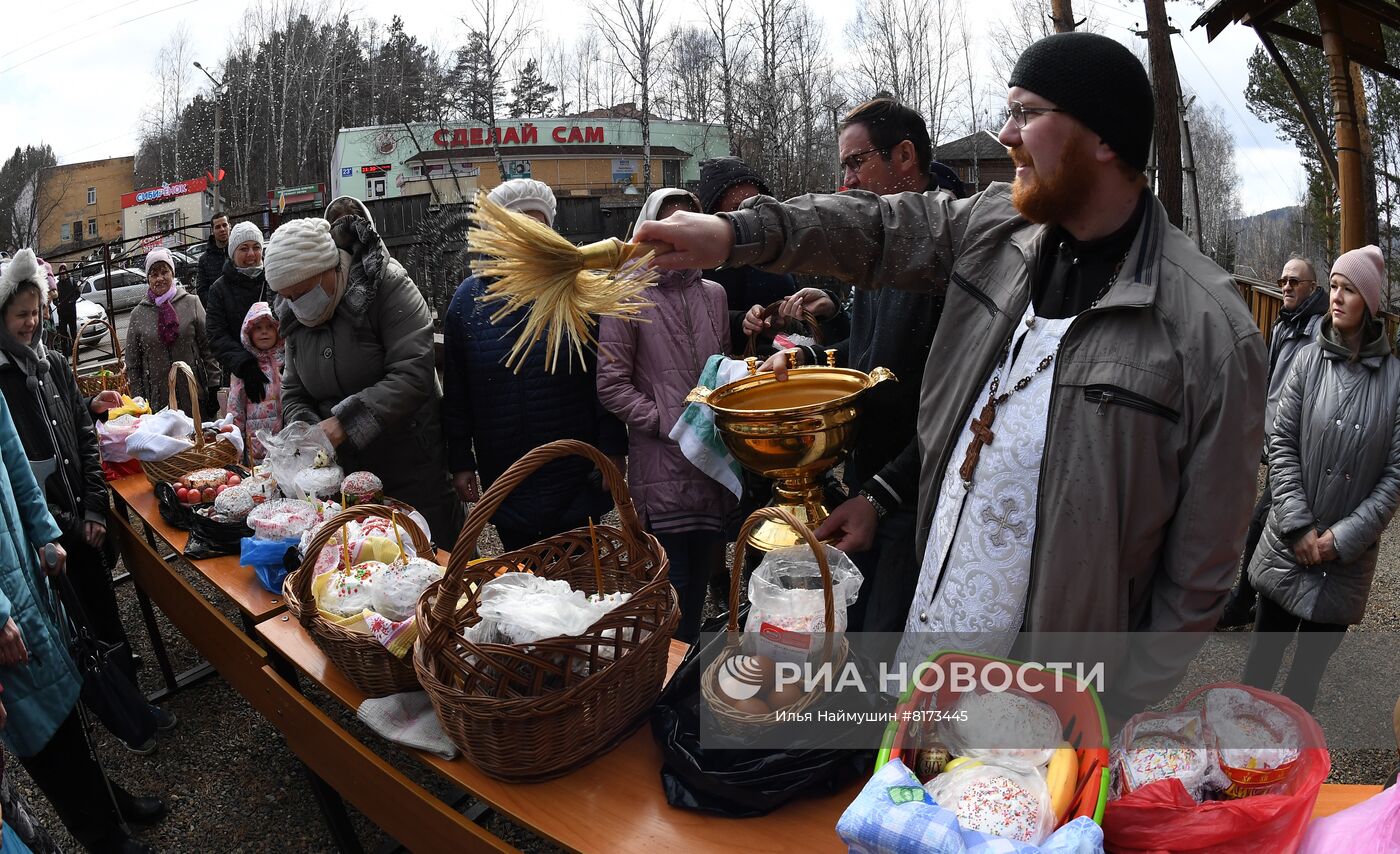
{"points": [[1054, 197]]}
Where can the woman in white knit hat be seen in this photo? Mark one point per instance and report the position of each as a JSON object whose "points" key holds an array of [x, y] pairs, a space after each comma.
{"points": [[228, 301], [360, 361], [168, 326], [1334, 466]]}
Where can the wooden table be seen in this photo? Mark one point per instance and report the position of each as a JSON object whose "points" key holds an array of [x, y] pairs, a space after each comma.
{"points": [[238, 583], [614, 803]]}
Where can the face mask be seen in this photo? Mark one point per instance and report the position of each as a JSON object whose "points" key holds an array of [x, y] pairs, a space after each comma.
{"points": [[310, 308], [250, 272]]}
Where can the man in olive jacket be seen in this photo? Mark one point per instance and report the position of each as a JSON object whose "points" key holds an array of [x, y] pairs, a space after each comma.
{"points": [[1088, 463]]}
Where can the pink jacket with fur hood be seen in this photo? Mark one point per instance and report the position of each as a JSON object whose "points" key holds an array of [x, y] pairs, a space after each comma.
{"points": [[251, 417]]}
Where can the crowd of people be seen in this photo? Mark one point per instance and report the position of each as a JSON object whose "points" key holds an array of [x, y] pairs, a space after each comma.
{"points": [[1073, 446]]}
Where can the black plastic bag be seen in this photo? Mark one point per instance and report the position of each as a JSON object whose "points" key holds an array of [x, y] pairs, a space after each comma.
{"points": [[208, 538], [740, 783], [107, 690]]}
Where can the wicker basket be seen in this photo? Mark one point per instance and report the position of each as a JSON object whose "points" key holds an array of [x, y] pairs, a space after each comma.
{"points": [[204, 455], [770, 312], [726, 716], [93, 383], [533, 712], [375, 670]]}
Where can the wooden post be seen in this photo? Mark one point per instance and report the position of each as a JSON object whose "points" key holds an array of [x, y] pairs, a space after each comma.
{"points": [[1062, 15], [1349, 166], [1166, 120]]}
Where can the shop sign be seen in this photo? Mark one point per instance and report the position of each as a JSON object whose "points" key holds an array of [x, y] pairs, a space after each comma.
{"points": [[164, 192], [525, 134], [624, 170]]}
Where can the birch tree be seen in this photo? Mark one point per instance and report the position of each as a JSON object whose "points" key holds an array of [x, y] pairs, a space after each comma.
{"points": [[498, 29], [630, 29]]}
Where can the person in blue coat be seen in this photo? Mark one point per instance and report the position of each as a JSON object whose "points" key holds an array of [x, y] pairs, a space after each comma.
{"points": [[492, 415], [41, 683]]}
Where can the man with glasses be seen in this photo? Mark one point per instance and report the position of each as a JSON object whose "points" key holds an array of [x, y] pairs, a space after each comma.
{"points": [[1090, 419], [1304, 304], [884, 148]]}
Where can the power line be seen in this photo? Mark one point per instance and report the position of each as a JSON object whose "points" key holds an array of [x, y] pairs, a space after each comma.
{"points": [[1243, 122], [104, 31], [61, 30]]}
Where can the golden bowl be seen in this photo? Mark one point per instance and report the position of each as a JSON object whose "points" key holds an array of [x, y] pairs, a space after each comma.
{"points": [[792, 432]]}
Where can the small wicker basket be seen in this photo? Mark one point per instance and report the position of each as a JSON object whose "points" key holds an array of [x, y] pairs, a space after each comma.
{"points": [[770, 312], [204, 455], [102, 380], [530, 712], [726, 716], [364, 660]]}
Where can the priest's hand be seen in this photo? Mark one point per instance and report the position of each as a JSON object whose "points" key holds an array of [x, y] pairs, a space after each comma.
{"points": [[697, 241], [851, 526]]}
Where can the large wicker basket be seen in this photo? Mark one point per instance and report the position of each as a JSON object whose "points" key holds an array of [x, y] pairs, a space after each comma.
{"points": [[834, 650], [203, 455], [103, 379], [375, 670], [533, 712]]}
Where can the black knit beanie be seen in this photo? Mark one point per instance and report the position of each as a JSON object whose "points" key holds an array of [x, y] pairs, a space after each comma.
{"points": [[1096, 80], [719, 174]]}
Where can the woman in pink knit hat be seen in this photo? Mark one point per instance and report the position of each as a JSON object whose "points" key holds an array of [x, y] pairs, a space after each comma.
{"points": [[1334, 463]]}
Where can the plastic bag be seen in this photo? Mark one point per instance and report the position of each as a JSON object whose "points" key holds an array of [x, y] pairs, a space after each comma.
{"points": [[287, 518], [270, 559], [788, 602], [1002, 728], [1003, 802], [1256, 745], [112, 436], [292, 449], [894, 815], [1155, 747], [1161, 816], [1370, 827], [742, 782], [521, 608]]}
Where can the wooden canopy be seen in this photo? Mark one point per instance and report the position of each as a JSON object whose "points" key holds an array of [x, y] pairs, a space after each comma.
{"points": [[1351, 32]]}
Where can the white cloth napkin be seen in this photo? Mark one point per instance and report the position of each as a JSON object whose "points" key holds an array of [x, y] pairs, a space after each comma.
{"points": [[408, 719]]}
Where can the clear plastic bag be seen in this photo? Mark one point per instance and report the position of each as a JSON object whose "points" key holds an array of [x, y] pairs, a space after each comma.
{"points": [[788, 605], [521, 608], [1002, 728], [1156, 747], [1001, 801], [292, 450]]}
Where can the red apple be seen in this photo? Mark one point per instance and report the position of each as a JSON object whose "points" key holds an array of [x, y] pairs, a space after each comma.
{"points": [[234, 480], [227, 428], [208, 493], [220, 490], [182, 494]]}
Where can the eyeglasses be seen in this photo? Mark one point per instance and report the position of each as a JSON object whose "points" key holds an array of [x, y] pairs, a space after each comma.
{"points": [[853, 162], [1293, 280], [1017, 112]]}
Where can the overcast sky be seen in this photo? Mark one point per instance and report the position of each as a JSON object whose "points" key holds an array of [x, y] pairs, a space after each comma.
{"points": [[77, 73]]}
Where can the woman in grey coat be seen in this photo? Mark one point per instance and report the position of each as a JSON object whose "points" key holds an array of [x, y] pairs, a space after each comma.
{"points": [[360, 360], [168, 326], [1334, 465]]}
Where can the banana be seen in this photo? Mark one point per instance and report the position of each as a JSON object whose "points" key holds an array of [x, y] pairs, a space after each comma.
{"points": [[1060, 778]]}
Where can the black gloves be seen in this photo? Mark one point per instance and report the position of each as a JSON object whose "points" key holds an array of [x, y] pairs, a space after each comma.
{"points": [[254, 380]]}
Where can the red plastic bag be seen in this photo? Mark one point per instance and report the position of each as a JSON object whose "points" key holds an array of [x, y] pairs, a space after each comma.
{"points": [[1161, 817]]}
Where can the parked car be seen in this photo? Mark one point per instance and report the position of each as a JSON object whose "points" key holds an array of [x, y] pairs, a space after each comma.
{"points": [[128, 287], [87, 311]]}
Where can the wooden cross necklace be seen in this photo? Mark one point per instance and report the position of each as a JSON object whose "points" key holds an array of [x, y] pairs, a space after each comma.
{"points": [[981, 426]]}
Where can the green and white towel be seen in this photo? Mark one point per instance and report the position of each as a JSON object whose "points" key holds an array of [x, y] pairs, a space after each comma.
{"points": [[697, 435]]}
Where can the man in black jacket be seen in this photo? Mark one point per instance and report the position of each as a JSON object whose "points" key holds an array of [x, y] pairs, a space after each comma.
{"points": [[884, 148], [211, 263]]}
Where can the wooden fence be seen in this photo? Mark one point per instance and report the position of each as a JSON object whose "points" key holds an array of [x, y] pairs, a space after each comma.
{"points": [[1265, 301]]}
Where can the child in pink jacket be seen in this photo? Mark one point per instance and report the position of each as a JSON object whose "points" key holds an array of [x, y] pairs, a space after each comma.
{"points": [[645, 369], [262, 338]]}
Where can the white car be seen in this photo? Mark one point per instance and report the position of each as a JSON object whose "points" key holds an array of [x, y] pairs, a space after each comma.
{"points": [[87, 311], [128, 287]]}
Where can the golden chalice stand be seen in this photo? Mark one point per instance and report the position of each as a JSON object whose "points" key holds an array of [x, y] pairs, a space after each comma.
{"points": [[791, 431]]}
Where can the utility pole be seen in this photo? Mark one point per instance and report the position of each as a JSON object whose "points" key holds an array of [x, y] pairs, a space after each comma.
{"points": [[1189, 167], [1062, 16], [218, 120], [1167, 96]]}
